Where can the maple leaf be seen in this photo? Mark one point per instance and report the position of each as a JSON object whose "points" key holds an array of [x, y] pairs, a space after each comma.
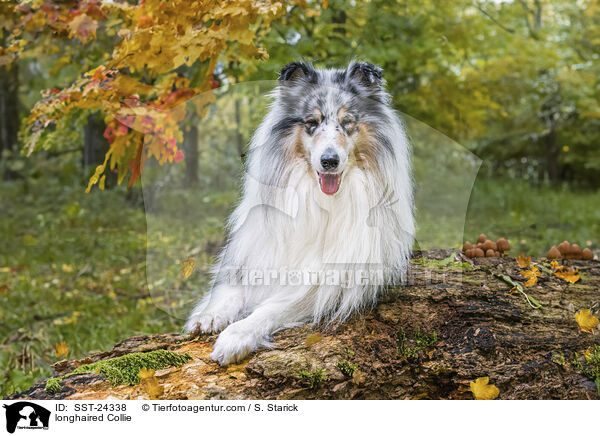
{"points": [[61, 349], [150, 383], [83, 27], [523, 261], [531, 275], [570, 275], [146, 373], [187, 267], [587, 322], [482, 390]]}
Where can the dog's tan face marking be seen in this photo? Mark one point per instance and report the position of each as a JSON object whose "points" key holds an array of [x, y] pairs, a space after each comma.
{"points": [[364, 155]]}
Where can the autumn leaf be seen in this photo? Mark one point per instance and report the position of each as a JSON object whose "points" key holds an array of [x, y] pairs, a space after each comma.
{"points": [[150, 383], [187, 267], [312, 339], [484, 391], [61, 349], [146, 373], [523, 261], [83, 27], [531, 275], [570, 275], [587, 322], [554, 265]]}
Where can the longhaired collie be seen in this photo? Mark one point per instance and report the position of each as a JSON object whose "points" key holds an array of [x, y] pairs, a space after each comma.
{"points": [[325, 222]]}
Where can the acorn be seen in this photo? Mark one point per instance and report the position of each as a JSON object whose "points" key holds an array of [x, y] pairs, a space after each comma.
{"points": [[478, 252], [564, 247], [482, 238], [575, 251], [503, 245], [587, 254], [554, 253], [467, 246]]}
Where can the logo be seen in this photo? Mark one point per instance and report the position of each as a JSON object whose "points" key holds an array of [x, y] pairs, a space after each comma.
{"points": [[26, 415]]}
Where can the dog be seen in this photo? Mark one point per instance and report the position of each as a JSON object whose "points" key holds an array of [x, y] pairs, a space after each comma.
{"points": [[325, 222]]}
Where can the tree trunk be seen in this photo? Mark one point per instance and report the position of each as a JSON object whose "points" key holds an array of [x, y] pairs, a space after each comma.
{"points": [[9, 106], [450, 325], [190, 145]]}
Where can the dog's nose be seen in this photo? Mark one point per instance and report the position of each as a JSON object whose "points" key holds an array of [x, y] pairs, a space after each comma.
{"points": [[329, 159]]}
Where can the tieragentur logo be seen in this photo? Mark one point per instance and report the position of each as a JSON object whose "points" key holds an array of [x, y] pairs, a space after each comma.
{"points": [[26, 415]]}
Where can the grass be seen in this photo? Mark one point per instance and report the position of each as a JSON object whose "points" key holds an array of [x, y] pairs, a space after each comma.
{"points": [[73, 265], [533, 219]]}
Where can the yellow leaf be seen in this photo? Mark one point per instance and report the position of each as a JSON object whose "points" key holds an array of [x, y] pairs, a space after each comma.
{"points": [[187, 267], [567, 274], [67, 268], [484, 391], [312, 339], [587, 322], [146, 373], [150, 383], [531, 276], [523, 261], [83, 27], [61, 349], [554, 264]]}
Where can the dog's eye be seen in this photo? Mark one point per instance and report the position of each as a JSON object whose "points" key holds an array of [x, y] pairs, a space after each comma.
{"points": [[347, 123], [311, 125]]}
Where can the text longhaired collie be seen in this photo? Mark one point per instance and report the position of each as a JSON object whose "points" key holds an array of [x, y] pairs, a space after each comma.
{"points": [[327, 194]]}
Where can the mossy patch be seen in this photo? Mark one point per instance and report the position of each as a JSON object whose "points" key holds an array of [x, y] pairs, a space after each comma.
{"points": [[449, 262], [411, 345], [313, 378], [125, 369], [591, 367], [347, 368]]}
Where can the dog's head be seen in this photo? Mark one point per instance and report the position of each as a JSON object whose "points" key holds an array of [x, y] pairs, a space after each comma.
{"points": [[331, 116]]}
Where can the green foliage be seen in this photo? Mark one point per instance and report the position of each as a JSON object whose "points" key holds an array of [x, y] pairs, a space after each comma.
{"points": [[532, 218], [313, 378], [125, 369], [347, 368], [411, 345]]}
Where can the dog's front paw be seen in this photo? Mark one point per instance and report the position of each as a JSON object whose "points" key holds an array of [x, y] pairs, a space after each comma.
{"points": [[234, 344], [207, 322]]}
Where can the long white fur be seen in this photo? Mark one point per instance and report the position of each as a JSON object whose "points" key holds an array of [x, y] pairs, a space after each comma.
{"points": [[366, 225]]}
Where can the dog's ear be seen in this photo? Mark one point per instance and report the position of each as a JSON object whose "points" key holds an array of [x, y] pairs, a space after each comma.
{"points": [[367, 74], [295, 72]]}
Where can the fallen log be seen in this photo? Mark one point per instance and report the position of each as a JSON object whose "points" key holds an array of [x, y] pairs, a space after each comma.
{"points": [[451, 324]]}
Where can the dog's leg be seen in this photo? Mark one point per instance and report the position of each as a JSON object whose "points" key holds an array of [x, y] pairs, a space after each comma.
{"points": [[221, 307], [244, 336]]}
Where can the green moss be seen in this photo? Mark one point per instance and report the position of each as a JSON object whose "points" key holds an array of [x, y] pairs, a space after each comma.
{"points": [[125, 369], [591, 368], [313, 378], [347, 368], [53, 386], [410, 346], [447, 263]]}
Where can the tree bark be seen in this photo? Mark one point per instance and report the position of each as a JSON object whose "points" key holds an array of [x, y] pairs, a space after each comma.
{"points": [[190, 141], [448, 326]]}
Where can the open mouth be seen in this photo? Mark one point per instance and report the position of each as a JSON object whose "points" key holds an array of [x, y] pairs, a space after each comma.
{"points": [[330, 183]]}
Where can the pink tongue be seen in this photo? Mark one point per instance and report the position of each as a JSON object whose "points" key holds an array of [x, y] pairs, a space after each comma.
{"points": [[330, 183]]}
